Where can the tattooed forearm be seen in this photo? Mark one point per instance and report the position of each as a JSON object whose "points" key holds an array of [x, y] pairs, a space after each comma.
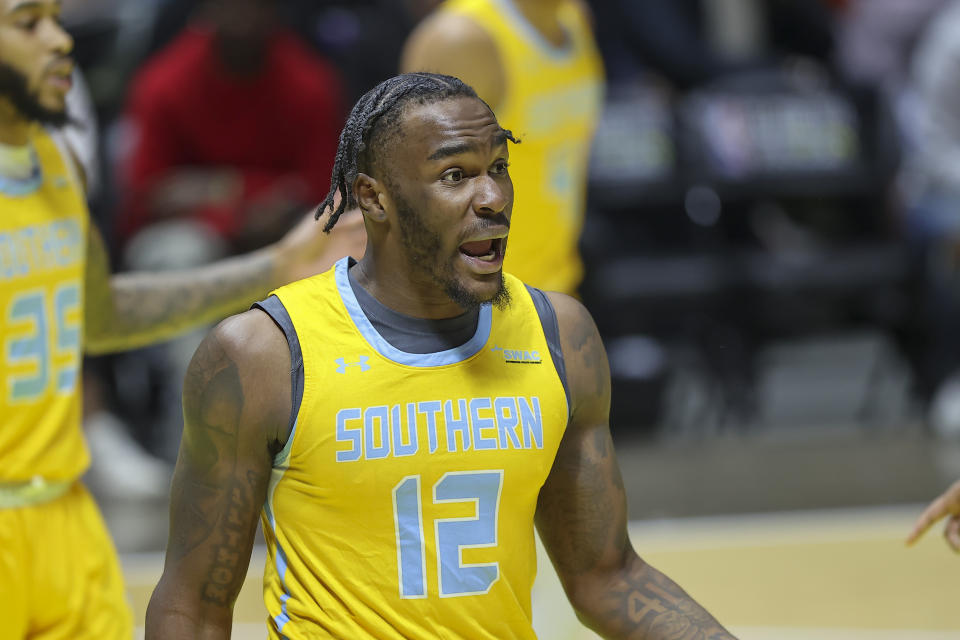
{"points": [[644, 603], [135, 309], [231, 553]]}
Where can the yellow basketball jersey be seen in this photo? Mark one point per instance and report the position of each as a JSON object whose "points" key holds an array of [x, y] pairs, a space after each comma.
{"points": [[43, 236], [403, 503], [552, 102]]}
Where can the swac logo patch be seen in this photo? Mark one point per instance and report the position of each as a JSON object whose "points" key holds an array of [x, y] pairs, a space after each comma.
{"points": [[516, 356], [361, 362]]}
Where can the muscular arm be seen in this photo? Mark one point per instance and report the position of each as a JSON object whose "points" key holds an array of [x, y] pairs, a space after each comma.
{"points": [[135, 309], [457, 46], [236, 404], [582, 515]]}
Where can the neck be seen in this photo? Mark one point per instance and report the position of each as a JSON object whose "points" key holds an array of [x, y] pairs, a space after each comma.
{"points": [[404, 290], [14, 128], [542, 14]]}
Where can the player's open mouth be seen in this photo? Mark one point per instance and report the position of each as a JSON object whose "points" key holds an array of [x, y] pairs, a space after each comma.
{"points": [[60, 81], [59, 73], [484, 255]]}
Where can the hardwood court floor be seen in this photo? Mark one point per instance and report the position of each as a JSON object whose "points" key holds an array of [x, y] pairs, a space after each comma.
{"points": [[839, 574]]}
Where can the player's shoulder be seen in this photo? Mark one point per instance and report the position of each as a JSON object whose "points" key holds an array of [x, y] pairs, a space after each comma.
{"points": [[444, 31], [570, 311], [455, 44], [585, 359], [240, 375], [254, 349], [252, 341]]}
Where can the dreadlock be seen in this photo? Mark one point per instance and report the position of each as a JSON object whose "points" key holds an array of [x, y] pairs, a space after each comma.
{"points": [[376, 113]]}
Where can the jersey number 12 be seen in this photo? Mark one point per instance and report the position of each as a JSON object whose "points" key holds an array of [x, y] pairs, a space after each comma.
{"points": [[452, 535]]}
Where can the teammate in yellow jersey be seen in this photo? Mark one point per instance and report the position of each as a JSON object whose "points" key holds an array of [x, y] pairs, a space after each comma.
{"points": [[401, 424], [59, 577], [536, 64]]}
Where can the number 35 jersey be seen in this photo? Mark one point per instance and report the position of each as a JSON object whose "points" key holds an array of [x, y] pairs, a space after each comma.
{"points": [[403, 504], [43, 231]]}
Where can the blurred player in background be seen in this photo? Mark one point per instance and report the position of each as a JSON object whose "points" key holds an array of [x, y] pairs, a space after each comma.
{"points": [[536, 64], [59, 575]]}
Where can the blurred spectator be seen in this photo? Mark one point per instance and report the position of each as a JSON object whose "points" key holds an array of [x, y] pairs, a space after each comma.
{"points": [[536, 64], [931, 189], [234, 125]]}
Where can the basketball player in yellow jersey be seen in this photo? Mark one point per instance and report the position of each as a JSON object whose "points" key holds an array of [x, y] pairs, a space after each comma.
{"points": [[402, 423], [59, 577], [536, 64]]}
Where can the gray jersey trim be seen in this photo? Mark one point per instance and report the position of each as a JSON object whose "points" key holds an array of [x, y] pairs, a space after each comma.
{"points": [[414, 335], [278, 313], [548, 319]]}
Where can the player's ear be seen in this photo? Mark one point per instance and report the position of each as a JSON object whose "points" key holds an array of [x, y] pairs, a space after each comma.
{"points": [[371, 197]]}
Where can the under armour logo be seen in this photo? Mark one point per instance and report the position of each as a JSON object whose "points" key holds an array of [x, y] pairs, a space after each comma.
{"points": [[361, 362]]}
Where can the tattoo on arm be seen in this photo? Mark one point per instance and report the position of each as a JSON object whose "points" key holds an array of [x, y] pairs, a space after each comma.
{"points": [[217, 489], [644, 603], [134, 309], [232, 553]]}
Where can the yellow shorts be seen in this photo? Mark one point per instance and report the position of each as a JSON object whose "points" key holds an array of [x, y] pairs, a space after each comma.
{"points": [[59, 575]]}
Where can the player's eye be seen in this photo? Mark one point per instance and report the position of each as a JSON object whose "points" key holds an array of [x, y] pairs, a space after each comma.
{"points": [[500, 167], [28, 24], [452, 176]]}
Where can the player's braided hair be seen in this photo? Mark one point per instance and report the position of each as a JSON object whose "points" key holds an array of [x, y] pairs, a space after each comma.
{"points": [[375, 115]]}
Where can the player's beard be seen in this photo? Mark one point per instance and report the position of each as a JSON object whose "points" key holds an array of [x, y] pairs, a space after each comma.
{"points": [[15, 87], [424, 252]]}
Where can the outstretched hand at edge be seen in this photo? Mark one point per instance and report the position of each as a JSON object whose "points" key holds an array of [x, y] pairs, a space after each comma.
{"points": [[947, 504]]}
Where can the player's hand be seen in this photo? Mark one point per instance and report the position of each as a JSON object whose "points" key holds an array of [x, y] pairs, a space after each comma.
{"points": [[947, 504], [306, 250]]}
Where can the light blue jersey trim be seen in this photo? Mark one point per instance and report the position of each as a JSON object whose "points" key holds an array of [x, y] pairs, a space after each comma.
{"points": [[281, 619], [465, 351], [20, 188], [516, 16]]}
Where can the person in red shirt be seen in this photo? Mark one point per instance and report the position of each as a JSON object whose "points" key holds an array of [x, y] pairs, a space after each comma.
{"points": [[233, 125]]}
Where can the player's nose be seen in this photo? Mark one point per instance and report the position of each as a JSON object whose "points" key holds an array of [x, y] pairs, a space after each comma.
{"points": [[57, 38], [492, 195]]}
